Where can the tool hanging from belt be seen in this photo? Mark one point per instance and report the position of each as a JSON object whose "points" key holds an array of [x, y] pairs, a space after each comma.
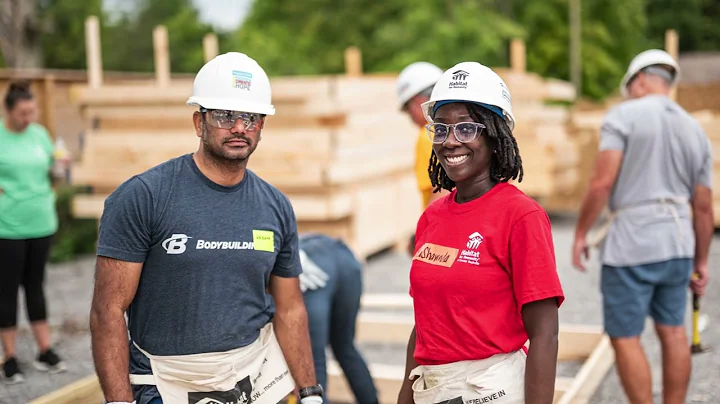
{"points": [[594, 239]]}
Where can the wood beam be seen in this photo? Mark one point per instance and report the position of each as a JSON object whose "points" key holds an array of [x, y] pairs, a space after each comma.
{"points": [[93, 52], [162, 56]]}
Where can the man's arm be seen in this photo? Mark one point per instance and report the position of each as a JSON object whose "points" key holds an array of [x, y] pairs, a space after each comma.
{"points": [[115, 286], [607, 167], [541, 323], [291, 328], [704, 226]]}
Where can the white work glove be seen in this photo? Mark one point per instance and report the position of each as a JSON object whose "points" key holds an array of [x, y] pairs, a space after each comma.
{"points": [[312, 276]]}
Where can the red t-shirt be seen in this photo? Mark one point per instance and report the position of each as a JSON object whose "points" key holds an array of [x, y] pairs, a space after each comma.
{"points": [[475, 265]]}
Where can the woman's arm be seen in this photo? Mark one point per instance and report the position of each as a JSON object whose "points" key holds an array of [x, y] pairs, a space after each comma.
{"points": [[541, 323], [406, 393]]}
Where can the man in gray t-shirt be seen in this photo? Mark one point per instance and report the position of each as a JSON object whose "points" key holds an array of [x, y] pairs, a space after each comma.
{"points": [[201, 254], [654, 172]]}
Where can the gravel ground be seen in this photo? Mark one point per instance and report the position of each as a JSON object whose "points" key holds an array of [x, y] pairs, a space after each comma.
{"points": [[70, 287]]}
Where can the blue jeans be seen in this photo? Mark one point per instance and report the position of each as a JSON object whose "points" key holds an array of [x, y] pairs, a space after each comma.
{"points": [[632, 293], [332, 311]]}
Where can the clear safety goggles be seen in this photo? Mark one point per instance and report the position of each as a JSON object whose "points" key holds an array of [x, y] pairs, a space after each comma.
{"points": [[225, 119], [464, 131]]}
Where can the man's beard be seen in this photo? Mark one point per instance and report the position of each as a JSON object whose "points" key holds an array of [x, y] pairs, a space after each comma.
{"points": [[220, 155]]}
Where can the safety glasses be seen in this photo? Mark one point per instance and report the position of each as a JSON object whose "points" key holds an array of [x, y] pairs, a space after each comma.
{"points": [[225, 119], [464, 131]]}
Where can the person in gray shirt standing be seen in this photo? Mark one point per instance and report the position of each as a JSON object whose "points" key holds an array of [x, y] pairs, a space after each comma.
{"points": [[654, 171], [202, 255]]}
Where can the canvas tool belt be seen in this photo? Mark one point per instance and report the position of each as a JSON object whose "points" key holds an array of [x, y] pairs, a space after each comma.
{"points": [[499, 379], [669, 204], [255, 373]]}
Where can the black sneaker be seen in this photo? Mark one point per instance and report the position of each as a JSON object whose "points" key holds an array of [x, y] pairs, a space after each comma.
{"points": [[11, 372], [49, 362]]}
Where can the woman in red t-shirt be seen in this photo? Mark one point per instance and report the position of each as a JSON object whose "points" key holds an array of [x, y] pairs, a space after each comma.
{"points": [[483, 277]]}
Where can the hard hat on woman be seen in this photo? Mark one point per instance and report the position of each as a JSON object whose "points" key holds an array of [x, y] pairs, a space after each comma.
{"points": [[471, 82]]}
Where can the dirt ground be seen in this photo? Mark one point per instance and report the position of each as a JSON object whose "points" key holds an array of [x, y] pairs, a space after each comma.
{"points": [[69, 289]]}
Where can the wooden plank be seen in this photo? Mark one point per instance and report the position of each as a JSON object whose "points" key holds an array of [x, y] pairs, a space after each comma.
{"points": [[387, 379], [140, 95], [672, 47], [48, 105], [370, 301], [93, 52], [161, 53], [559, 90], [353, 62], [329, 206], [591, 374], [86, 391], [517, 56], [210, 46], [164, 118]]}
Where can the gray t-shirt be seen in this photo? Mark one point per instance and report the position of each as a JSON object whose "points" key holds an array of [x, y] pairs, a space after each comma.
{"points": [[666, 154], [208, 253]]}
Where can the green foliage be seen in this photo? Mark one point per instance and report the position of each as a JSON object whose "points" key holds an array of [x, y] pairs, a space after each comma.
{"points": [[604, 57], [128, 42], [67, 21], [286, 39], [74, 236], [289, 37]]}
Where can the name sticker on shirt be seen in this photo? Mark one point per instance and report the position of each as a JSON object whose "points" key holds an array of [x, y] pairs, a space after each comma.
{"points": [[436, 254], [263, 240]]}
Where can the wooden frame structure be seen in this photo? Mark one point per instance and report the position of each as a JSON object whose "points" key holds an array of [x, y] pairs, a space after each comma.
{"points": [[576, 343]]}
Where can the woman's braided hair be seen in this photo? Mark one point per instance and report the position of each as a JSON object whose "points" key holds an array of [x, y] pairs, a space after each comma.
{"points": [[506, 163]]}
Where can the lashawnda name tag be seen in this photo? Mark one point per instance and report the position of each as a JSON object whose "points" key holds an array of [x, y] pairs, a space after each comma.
{"points": [[436, 254]]}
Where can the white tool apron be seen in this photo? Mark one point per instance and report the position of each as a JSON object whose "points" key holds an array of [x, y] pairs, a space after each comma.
{"points": [[498, 379], [257, 372], [670, 204]]}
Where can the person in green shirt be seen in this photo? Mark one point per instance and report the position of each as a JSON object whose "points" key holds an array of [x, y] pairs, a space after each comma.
{"points": [[28, 220]]}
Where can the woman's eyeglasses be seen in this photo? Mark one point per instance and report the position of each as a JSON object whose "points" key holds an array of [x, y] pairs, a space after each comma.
{"points": [[464, 131]]}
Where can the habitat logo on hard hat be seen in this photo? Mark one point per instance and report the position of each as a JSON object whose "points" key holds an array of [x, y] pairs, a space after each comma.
{"points": [[242, 79], [459, 79]]}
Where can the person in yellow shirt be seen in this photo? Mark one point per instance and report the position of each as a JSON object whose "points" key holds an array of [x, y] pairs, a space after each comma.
{"points": [[414, 85]]}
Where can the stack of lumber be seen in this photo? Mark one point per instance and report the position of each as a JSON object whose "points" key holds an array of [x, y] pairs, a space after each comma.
{"points": [[585, 128], [710, 121], [549, 155], [337, 146]]}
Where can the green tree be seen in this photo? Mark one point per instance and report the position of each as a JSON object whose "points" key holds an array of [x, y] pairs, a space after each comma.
{"points": [[128, 42], [64, 46], [604, 57], [287, 38], [694, 20]]}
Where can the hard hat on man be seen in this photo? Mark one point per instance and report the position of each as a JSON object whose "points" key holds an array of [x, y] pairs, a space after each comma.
{"points": [[645, 59], [233, 81], [415, 78]]}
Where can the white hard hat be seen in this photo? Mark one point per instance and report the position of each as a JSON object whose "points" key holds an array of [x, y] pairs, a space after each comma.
{"points": [[233, 81], [475, 83], [648, 58], [415, 78]]}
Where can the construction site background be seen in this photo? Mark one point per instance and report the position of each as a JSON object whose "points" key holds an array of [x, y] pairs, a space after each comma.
{"points": [[113, 87]]}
